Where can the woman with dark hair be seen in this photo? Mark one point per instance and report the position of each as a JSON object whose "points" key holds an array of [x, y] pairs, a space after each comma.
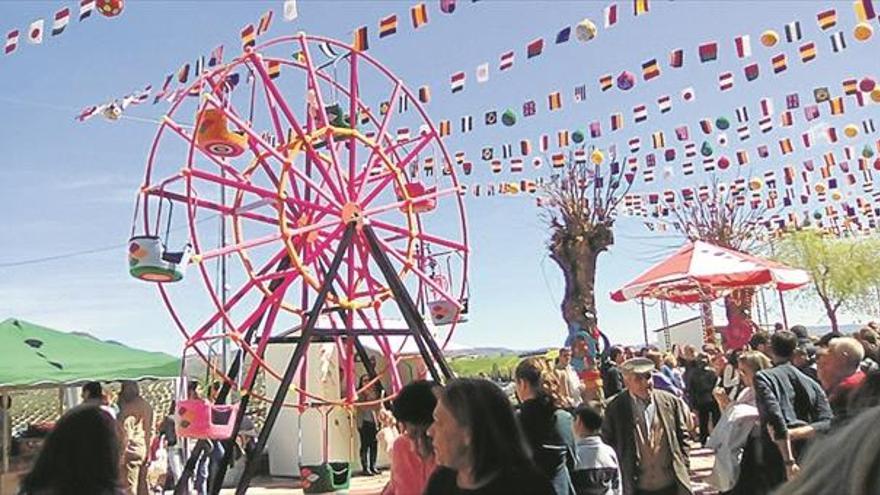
{"points": [[412, 454], [546, 425], [478, 444], [81, 455]]}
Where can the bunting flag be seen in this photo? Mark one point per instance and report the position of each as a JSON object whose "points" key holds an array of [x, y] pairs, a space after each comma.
{"points": [[786, 119], [11, 41], [35, 32], [387, 26], [482, 73], [525, 147], [610, 15], [850, 87], [807, 139], [793, 32], [62, 18], [766, 107], [273, 68], [580, 93], [183, 73], [562, 138], [467, 124], [635, 144], [785, 146], [640, 113], [743, 46], [616, 121], [248, 37], [506, 61], [554, 101], [687, 94], [827, 19], [751, 71], [419, 15], [290, 12], [491, 117], [780, 63], [864, 10], [725, 81], [838, 42], [676, 58], [742, 157], [658, 139], [811, 112], [535, 48], [708, 51], [563, 35], [836, 105], [765, 124], [445, 128], [216, 57], [164, 90], [606, 82], [85, 9], [447, 6], [640, 7], [650, 69], [807, 52], [664, 103], [361, 41], [265, 22], [456, 82]]}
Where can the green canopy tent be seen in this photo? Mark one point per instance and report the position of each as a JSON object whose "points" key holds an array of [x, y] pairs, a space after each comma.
{"points": [[32, 356]]}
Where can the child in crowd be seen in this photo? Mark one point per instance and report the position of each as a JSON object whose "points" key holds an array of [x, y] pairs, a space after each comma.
{"points": [[596, 471]]}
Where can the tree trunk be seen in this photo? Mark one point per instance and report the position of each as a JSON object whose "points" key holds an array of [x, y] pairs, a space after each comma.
{"points": [[576, 256]]}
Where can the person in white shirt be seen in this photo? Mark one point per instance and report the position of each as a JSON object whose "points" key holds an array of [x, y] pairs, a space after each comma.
{"points": [[568, 377], [596, 469]]}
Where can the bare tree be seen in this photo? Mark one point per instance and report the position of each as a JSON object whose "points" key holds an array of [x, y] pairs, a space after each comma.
{"points": [[580, 206]]}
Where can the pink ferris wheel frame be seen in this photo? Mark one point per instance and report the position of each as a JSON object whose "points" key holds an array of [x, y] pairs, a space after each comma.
{"points": [[320, 202]]}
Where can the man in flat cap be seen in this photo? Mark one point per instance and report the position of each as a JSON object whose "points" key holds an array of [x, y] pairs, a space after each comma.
{"points": [[648, 430]]}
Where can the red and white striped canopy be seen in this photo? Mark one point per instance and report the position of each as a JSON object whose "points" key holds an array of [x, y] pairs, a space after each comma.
{"points": [[700, 271]]}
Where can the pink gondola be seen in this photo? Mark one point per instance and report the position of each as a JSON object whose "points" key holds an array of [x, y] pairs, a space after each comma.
{"points": [[197, 418], [415, 190]]}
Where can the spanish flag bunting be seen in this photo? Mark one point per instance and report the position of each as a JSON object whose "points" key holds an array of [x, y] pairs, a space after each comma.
{"points": [[836, 105], [850, 87], [273, 68], [388, 25], [419, 15], [558, 160], [807, 52], [780, 63], [641, 7], [650, 69], [554, 100], [606, 82], [864, 10], [361, 39], [248, 37]]}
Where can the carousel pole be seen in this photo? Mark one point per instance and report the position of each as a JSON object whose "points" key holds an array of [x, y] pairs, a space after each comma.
{"points": [[644, 320]]}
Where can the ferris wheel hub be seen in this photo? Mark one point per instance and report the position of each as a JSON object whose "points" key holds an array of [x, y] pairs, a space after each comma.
{"points": [[352, 212]]}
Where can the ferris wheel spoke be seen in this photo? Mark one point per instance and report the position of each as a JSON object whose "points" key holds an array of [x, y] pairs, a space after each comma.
{"points": [[405, 202], [180, 131], [337, 197], [275, 154], [399, 166], [419, 234], [424, 277], [353, 95]]}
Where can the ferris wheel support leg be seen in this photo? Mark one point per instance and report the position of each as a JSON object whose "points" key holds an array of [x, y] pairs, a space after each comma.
{"points": [[295, 360], [408, 309], [202, 446]]}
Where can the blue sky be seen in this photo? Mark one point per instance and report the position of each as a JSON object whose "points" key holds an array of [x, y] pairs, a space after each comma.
{"points": [[69, 187]]}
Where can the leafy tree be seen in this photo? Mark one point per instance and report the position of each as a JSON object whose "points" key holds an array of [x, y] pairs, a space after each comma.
{"points": [[844, 271]]}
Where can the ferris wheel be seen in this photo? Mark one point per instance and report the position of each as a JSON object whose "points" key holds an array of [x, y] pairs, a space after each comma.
{"points": [[339, 211]]}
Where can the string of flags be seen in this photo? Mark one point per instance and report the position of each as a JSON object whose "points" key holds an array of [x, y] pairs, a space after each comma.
{"points": [[114, 109], [35, 33]]}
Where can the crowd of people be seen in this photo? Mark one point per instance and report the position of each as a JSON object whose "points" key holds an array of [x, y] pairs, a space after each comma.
{"points": [[786, 414]]}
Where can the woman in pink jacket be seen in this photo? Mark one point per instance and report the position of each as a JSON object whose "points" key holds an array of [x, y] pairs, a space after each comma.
{"points": [[412, 455]]}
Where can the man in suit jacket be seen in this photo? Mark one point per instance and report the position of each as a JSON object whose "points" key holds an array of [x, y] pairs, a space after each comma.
{"points": [[648, 430]]}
